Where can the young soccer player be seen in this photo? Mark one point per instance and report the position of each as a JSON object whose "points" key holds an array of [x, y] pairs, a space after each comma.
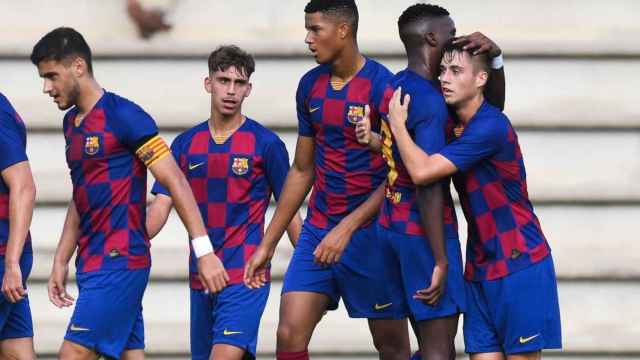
{"points": [[110, 143], [17, 196], [512, 301], [338, 254], [233, 165]]}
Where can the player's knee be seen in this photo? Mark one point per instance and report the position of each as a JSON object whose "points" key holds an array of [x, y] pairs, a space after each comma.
{"points": [[391, 347], [290, 338], [70, 351]]}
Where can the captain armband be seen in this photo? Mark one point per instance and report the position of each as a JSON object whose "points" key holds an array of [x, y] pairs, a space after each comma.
{"points": [[153, 150]]}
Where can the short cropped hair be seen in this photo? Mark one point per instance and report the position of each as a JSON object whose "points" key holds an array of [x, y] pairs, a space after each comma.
{"points": [[345, 10], [62, 44], [226, 56], [481, 60]]}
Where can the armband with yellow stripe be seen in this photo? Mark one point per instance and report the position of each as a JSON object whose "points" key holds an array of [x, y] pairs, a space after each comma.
{"points": [[153, 150]]}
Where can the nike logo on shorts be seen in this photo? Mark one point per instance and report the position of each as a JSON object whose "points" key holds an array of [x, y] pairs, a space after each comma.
{"points": [[74, 327], [382, 307], [227, 332], [524, 340]]}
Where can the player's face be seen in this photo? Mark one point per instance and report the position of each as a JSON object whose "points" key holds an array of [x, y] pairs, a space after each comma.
{"points": [[459, 79], [323, 37], [60, 82], [446, 30], [228, 90]]}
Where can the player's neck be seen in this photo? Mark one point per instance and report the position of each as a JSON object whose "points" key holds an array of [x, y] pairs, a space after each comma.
{"points": [[348, 64], [90, 94], [421, 63], [467, 109], [224, 126]]}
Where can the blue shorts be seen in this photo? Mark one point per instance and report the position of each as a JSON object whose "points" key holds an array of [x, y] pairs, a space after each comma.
{"points": [[410, 263], [230, 317], [15, 319], [518, 313], [108, 314], [358, 278]]}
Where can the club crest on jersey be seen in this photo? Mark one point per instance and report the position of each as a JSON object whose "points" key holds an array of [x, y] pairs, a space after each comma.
{"points": [[355, 113], [240, 165], [92, 145]]}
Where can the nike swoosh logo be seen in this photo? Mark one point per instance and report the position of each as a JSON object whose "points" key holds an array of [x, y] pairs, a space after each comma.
{"points": [[381, 307], [314, 109], [524, 340], [227, 332], [77, 328], [193, 166]]}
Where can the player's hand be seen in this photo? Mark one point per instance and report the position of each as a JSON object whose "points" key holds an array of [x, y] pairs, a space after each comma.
{"points": [[398, 110], [478, 43], [363, 128], [12, 283], [432, 295], [212, 273], [255, 271], [332, 245], [58, 286]]}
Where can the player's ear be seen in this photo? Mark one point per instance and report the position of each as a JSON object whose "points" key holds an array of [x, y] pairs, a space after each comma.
{"points": [[481, 78], [79, 66], [343, 30], [431, 39], [249, 87], [207, 84]]}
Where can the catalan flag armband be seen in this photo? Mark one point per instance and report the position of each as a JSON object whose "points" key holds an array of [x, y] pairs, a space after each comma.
{"points": [[153, 150]]}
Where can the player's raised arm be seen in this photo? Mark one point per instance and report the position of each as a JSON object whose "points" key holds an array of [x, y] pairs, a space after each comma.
{"points": [[295, 189], [66, 246], [22, 193], [422, 168], [166, 171]]}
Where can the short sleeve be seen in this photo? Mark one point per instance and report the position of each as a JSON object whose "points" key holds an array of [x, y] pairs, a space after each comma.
{"points": [[305, 127], [12, 140], [276, 160], [478, 142], [176, 151], [133, 125]]}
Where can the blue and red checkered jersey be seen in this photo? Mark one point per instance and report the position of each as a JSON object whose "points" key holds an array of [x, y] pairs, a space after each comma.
{"points": [[346, 172], [232, 184], [427, 123], [504, 233], [109, 182], [13, 146]]}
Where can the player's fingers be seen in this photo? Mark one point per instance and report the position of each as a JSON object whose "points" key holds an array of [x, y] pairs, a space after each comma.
{"points": [[367, 111], [248, 272], [406, 101], [395, 99]]}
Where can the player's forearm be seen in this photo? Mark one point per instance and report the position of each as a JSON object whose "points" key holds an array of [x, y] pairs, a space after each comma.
{"points": [[431, 205], [294, 228], [21, 201], [294, 191], [375, 144], [496, 89], [185, 205], [157, 214], [366, 210], [415, 160], [69, 238]]}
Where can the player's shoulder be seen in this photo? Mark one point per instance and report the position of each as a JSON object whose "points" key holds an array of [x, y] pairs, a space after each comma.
{"points": [[186, 136], [262, 134], [120, 105], [492, 122], [377, 72], [309, 78]]}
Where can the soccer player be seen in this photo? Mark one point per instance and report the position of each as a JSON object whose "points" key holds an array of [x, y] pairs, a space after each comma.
{"points": [[512, 301], [17, 196], [110, 143], [233, 164], [338, 254]]}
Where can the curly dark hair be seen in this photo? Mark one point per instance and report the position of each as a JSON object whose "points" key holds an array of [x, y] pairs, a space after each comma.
{"points": [[226, 56]]}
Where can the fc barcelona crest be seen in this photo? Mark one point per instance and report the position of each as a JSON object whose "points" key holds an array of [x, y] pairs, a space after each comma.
{"points": [[355, 113], [240, 165], [92, 145]]}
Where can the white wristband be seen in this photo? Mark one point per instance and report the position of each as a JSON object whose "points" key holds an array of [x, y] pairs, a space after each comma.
{"points": [[497, 62], [202, 246]]}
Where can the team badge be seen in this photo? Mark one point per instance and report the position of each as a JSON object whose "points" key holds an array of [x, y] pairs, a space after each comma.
{"points": [[240, 165], [355, 113], [92, 145]]}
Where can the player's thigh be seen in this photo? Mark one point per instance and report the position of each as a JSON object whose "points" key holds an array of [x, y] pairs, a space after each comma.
{"points": [[536, 355], [299, 313], [72, 351], [17, 349], [487, 356], [227, 352], [133, 354]]}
